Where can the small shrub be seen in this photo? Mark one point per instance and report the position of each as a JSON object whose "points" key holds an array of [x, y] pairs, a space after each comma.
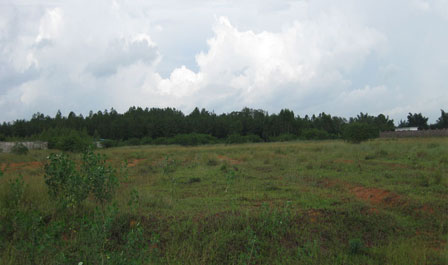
{"points": [[65, 183], [240, 139], [284, 138], [132, 141], [355, 246], [423, 181], [194, 180], [162, 141], [212, 162], [369, 157], [388, 175], [193, 139], [19, 149], [109, 143], [437, 178], [358, 132], [314, 134], [147, 140], [71, 186], [224, 167], [67, 139], [433, 145], [443, 160], [15, 193], [382, 153]]}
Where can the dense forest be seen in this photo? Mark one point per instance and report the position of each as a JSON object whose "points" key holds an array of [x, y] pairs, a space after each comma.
{"points": [[138, 125]]}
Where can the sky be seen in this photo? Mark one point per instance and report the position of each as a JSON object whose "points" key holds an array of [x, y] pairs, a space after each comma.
{"points": [[311, 56]]}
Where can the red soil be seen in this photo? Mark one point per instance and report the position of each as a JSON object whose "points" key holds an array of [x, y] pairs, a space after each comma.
{"points": [[135, 162], [374, 195], [20, 165], [230, 160]]}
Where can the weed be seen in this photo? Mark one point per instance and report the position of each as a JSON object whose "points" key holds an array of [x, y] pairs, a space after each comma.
{"points": [[423, 180], [355, 246], [433, 145], [224, 167], [388, 175], [15, 195], [230, 178], [212, 162], [369, 157], [168, 166], [194, 180], [271, 187]]}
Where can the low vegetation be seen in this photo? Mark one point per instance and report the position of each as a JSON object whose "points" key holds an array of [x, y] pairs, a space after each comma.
{"points": [[309, 202], [19, 149]]}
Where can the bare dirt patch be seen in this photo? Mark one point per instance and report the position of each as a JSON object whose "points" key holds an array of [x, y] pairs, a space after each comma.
{"points": [[20, 165], [371, 195], [230, 160], [374, 195], [135, 162]]}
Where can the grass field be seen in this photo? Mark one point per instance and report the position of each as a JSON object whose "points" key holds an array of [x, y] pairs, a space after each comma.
{"points": [[325, 202]]}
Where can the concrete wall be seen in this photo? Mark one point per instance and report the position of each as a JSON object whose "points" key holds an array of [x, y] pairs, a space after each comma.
{"points": [[424, 133], [5, 147]]}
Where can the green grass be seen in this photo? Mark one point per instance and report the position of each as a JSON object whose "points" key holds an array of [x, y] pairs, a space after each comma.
{"points": [[307, 202]]}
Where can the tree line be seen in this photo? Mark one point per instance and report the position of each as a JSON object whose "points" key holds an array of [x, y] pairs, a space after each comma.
{"points": [[160, 123]]}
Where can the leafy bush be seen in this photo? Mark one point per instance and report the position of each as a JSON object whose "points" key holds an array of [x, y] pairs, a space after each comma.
{"points": [[132, 141], [193, 139], [212, 162], [19, 149], [284, 137], [71, 186], [162, 140], [358, 132], [73, 143], [147, 140], [315, 134], [355, 246], [109, 143], [239, 139], [67, 140]]}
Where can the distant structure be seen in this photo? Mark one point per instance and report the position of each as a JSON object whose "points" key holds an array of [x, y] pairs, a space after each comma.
{"points": [[414, 132], [406, 129], [5, 147]]}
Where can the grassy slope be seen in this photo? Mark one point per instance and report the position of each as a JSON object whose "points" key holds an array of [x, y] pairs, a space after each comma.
{"points": [[328, 202]]}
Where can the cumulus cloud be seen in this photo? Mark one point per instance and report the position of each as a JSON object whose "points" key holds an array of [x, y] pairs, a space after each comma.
{"points": [[309, 56], [122, 53]]}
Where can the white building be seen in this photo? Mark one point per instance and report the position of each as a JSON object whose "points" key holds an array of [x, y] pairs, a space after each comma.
{"points": [[406, 129]]}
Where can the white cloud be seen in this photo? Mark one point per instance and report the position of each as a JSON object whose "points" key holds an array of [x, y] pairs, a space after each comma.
{"points": [[310, 56]]}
